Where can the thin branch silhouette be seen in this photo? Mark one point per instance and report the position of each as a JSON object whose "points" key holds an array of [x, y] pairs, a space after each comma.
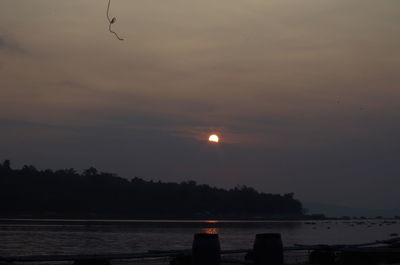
{"points": [[112, 21]]}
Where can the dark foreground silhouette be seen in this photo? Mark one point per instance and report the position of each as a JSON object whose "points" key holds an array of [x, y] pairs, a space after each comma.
{"points": [[29, 192]]}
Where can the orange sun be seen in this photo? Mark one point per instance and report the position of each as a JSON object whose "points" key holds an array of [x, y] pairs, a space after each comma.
{"points": [[213, 138]]}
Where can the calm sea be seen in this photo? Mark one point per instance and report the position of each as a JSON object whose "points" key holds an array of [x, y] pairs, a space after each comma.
{"points": [[36, 237]]}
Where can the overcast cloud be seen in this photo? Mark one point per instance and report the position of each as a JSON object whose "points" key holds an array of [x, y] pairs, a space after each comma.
{"points": [[305, 94]]}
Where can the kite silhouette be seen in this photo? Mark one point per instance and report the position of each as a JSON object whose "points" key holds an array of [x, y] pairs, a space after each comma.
{"points": [[112, 21]]}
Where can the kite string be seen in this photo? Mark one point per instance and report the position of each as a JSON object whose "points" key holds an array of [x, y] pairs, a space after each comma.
{"points": [[108, 10], [111, 21]]}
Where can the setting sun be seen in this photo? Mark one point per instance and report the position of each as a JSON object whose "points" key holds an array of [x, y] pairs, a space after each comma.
{"points": [[213, 138]]}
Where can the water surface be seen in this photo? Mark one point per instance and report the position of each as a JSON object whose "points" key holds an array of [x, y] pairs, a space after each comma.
{"points": [[37, 237]]}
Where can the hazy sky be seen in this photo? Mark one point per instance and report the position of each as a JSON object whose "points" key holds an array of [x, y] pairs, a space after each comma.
{"points": [[304, 94]]}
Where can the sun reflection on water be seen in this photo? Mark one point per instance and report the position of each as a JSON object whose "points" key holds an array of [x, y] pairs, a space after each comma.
{"points": [[212, 230]]}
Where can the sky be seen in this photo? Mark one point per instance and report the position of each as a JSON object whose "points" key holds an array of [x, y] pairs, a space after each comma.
{"points": [[303, 94]]}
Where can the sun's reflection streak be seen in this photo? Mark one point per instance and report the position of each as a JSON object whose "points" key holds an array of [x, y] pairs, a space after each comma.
{"points": [[210, 230]]}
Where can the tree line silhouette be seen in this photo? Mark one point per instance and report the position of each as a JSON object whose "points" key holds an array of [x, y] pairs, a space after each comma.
{"points": [[29, 192]]}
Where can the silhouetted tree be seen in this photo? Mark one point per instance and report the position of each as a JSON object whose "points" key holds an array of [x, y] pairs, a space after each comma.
{"points": [[6, 165], [65, 192], [29, 169], [90, 172]]}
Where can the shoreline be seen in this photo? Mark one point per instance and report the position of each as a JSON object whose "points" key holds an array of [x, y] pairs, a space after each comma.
{"points": [[203, 221]]}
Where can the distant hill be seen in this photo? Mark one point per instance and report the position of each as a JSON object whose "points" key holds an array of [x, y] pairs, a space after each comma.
{"points": [[29, 192], [337, 211]]}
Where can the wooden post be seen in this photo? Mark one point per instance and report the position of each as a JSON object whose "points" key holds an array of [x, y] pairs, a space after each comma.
{"points": [[268, 249], [206, 249]]}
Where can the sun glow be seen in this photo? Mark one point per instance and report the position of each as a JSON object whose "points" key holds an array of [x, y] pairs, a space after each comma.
{"points": [[213, 138]]}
